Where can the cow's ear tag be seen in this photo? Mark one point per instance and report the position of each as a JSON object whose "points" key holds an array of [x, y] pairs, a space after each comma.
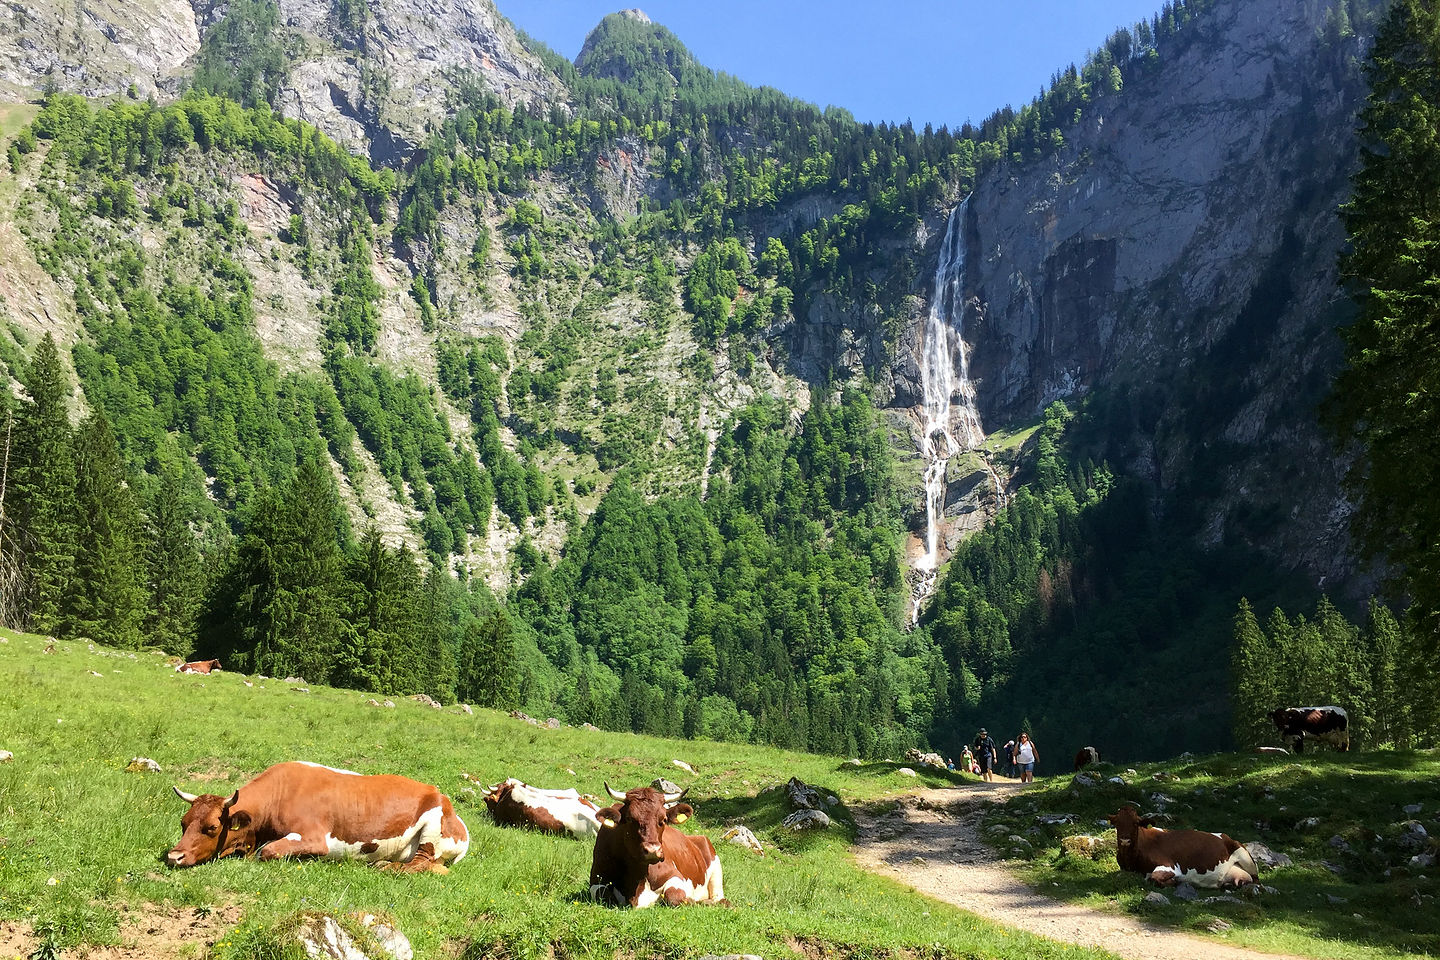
{"points": [[681, 817], [608, 822]]}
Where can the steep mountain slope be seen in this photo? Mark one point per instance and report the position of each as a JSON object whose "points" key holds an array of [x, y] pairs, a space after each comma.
{"points": [[1178, 254]]}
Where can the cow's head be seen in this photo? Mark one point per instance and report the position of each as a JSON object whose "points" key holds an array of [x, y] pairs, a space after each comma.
{"points": [[641, 816], [1127, 822], [1282, 717], [212, 828]]}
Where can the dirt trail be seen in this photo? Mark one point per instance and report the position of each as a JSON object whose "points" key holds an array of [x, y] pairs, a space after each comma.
{"points": [[931, 842]]}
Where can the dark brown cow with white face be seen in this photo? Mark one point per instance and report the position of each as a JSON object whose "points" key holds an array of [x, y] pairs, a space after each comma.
{"points": [[640, 859], [198, 666], [1330, 724], [302, 809], [517, 804], [1169, 857]]}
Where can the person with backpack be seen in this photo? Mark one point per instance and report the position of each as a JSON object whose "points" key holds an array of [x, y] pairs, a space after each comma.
{"points": [[1009, 749], [1025, 757], [986, 755]]}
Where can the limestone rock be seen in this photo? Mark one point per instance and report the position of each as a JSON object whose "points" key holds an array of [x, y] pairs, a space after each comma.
{"points": [[665, 786], [806, 820], [907, 772], [743, 836], [6, 756], [801, 795], [142, 765], [1156, 899], [683, 766], [1266, 857], [1185, 891]]}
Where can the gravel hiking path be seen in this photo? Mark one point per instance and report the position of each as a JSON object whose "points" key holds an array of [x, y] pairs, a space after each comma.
{"points": [[931, 842]]}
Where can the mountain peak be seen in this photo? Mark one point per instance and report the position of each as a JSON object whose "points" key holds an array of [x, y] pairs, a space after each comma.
{"points": [[635, 13]]}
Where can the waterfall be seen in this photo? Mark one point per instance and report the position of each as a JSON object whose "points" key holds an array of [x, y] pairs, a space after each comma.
{"points": [[952, 424]]}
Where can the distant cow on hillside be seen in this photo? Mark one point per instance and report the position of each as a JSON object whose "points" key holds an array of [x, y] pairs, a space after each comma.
{"points": [[1086, 756], [1330, 724], [198, 666]]}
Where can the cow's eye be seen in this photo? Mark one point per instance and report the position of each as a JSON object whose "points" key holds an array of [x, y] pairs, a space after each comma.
{"points": [[212, 829]]}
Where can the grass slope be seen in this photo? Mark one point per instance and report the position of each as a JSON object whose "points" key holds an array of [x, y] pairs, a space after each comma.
{"points": [[1357, 896], [81, 838]]}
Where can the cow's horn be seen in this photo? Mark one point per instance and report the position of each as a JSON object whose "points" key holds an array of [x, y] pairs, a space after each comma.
{"points": [[611, 790], [187, 797], [675, 797], [230, 802]]}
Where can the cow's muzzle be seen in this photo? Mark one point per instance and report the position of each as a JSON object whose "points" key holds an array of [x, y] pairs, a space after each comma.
{"points": [[653, 854], [176, 858]]}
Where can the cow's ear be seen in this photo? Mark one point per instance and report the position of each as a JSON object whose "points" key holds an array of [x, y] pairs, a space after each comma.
{"points": [[1147, 821], [679, 813], [608, 816], [239, 819]]}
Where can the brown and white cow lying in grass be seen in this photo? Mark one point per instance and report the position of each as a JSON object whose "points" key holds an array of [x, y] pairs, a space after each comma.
{"points": [[517, 804], [640, 859], [1169, 857], [1328, 724], [198, 666], [302, 809]]}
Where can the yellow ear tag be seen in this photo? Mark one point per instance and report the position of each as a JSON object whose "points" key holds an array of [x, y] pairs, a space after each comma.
{"points": [[608, 822], [681, 817]]}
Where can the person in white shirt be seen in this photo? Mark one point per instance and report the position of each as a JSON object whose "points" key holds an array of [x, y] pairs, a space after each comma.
{"points": [[1025, 757]]}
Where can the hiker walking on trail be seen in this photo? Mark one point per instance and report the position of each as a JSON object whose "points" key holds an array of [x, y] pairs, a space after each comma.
{"points": [[986, 755], [1025, 757], [1009, 749]]}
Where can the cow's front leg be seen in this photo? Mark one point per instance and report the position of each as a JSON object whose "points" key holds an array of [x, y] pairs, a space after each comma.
{"points": [[424, 861], [296, 845]]}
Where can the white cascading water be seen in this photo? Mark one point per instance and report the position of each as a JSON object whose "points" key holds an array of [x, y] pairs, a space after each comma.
{"points": [[952, 424]]}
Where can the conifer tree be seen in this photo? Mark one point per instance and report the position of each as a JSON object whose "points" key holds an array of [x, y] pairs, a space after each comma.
{"points": [[176, 579], [276, 610], [488, 674], [107, 594], [1387, 399], [43, 491], [1252, 677], [1391, 710]]}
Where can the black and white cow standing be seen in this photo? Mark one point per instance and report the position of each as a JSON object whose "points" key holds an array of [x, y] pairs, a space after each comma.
{"points": [[1330, 724]]}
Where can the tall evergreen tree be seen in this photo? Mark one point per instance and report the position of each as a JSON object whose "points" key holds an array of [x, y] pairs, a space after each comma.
{"points": [[277, 609], [1389, 396], [43, 492], [176, 579], [488, 672], [107, 594], [1252, 677]]}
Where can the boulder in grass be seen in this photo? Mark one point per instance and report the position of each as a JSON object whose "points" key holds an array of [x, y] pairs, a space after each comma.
{"points": [[1266, 857], [142, 765], [665, 786], [6, 756], [802, 796], [907, 772], [806, 820], [743, 837], [681, 764]]}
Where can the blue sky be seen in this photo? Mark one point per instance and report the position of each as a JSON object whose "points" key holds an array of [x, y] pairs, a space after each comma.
{"points": [[936, 61]]}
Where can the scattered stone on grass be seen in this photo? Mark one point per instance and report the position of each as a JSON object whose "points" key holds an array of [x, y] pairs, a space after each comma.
{"points": [[466, 709], [142, 765], [907, 772], [1156, 899], [801, 795], [806, 820], [1334, 868], [389, 703], [1339, 843], [6, 756], [1266, 857], [1423, 860], [1052, 819], [1217, 925], [1412, 808], [589, 726], [1335, 901], [743, 836], [854, 762], [322, 936], [665, 786], [917, 756], [1309, 823], [553, 723], [1185, 891], [1084, 780], [682, 765]]}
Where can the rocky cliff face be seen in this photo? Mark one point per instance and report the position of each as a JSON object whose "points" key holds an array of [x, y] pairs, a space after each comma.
{"points": [[93, 47], [380, 88], [376, 83], [1179, 255]]}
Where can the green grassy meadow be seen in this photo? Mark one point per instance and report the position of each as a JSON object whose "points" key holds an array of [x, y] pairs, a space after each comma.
{"points": [[1355, 898], [81, 839]]}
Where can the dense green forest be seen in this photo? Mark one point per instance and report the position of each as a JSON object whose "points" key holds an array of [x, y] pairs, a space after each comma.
{"points": [[747, 587]]}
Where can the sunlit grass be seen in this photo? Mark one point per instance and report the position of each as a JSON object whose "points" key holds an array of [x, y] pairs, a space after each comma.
{"points": [[72, 814]]}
